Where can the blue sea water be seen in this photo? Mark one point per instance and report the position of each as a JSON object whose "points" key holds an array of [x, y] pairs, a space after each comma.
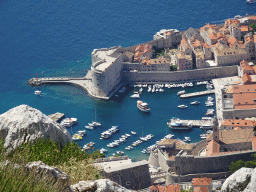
{"points": [[56, 38]]}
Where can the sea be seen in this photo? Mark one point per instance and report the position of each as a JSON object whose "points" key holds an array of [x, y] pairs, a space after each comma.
{"points": [[55, 38]]}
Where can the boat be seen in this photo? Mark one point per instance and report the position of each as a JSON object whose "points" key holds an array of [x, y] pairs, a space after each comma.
{"points": [[116, 95], [182, 106], [209, 104], [129, 148], [181, 92], [120, 152], [169, 136], [77, 137], [128, 135], [209, 112], [187, 139], [143, 106], [135, 96], [122, 139], [144, 138], [133, 132], [83, 132], [206, 118], [89, 127], [37, 92], [141, 90], [146, 151], [179, 124], [68, 122], [249, 1], [209, 98], [195, 103], [206, 127], [238, 17], [102, 150]]}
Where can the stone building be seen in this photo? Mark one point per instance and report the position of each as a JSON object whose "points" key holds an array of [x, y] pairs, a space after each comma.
{"points": [[203, 183], [167, 188], [168, 38], [184, 62], [106, 69], [230, 124], [158, 64]]}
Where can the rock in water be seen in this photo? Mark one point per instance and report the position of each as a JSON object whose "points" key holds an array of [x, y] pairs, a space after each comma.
{"points": [[238, 181], [24, 123]]}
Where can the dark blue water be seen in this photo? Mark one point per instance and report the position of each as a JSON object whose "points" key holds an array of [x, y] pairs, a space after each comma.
{"points": [[56, 38]]}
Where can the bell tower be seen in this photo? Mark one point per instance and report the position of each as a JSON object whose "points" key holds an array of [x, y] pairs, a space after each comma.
{"points": [[215, 129]]}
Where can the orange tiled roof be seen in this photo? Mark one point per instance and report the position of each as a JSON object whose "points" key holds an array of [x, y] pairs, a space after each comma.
{"points": [[146, 61], [244, 96], [254, 142], [231, 21], [167, 188], [212, 147], [168, 33], [139, 48], [252, 18], [205, 181], [246, 78], [244, 28], [208, 26], [183, 41], [219, 35], [238, 122], [212, 36], [200, 189], [138, 54], [236, 136], [231, 41]]}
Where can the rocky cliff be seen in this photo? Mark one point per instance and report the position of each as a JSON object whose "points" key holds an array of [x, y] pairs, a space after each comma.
{"points": [[24, 123], [243, 179]]}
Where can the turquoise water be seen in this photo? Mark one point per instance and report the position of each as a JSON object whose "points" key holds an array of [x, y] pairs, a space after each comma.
{"points": [[56, 38]]}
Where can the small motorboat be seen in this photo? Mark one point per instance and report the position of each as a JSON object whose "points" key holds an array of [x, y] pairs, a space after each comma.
{"points": [[102, 150], [195, 103], [187, 139], [120, 152], [135, 96], [133, 132], [182, 106], [181, 92], [89, 127], [129, 148], [37, 92]]}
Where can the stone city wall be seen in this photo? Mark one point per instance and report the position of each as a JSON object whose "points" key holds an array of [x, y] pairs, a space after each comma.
{"points": [[241, 113], [173, 178], [164, 162], [198, 147], [179, 76], [188, 164], [153, 159]]}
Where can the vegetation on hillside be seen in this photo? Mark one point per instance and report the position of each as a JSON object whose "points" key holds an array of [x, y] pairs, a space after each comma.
{"points": [[157, 52], [69, 158], [239, 164]]}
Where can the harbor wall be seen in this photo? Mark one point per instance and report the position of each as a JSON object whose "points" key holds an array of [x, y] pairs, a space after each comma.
{"points": [[198, 147], [241, 113], [179, 76], [189, 164]]}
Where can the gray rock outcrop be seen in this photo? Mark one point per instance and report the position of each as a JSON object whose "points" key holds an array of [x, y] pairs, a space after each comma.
{"points": [[243, 179], [55, 173], [101, 185], [24, 123]]}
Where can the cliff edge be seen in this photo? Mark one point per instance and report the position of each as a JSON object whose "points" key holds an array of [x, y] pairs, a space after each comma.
{"points": [[24, 123]]}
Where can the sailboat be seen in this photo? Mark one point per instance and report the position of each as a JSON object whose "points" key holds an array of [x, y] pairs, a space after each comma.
{"points": [[94, 123]]}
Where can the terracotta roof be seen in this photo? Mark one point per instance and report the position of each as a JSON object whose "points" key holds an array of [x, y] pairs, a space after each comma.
{"points": [[231, 21], [205, 181], [167, 141], [244, 96], [183, 41], [212, 147], [214, 27], [236, 136], [246, 79], [139, 48], [231, 41], [219, 35], [244, 28], [237, 128], [159, 61], [212, 36], [167, 188], [238, 122], [200, 189], [252, 18], [168, 33], [146, 61]]}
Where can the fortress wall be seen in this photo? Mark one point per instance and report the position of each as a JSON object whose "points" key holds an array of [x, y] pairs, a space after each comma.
{"points": [[172, 178], [153, 159], [241, 113], [175, 76], [135, 177], [164, 162], [127, 66], [208, 164]]}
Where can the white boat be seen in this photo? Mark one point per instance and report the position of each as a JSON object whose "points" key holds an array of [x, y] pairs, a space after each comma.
{"points": [[75, 139], [161, 90], [122, 139], [141, 90], [110, 145], [120, 152], [102, 150], [124, 136], [206, 127], [182, 106], [149, 89], [143, 106], [209, 104], [37, 92], [209, 98], [187, 139], [68, 122], [209, 112], [169, 136], [249, 1], [129, 148], [206, 118], [181, 92], [195, 103], [133, 132], [144, 138], [82, 132], [135, 96], [179, 124], [89, 127], [128, 135]]}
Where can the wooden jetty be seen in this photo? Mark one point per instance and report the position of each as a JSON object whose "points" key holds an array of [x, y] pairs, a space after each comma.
{"points": [[196, 94], [195, 123]]}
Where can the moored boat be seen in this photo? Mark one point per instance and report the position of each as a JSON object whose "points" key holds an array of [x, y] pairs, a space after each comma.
{"points": [[179, 124], [135, 96], [181, 92], [143, 106], [182, 106], [195, 103], [37, 92]]}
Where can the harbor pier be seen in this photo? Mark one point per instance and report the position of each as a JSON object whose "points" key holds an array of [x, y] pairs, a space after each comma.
{"points": [[196, 94], [195, 123]]}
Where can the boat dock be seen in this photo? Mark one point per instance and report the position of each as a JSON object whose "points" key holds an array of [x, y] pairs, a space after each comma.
{"points": [[188, 95], [57, 116], [195, 123]]}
